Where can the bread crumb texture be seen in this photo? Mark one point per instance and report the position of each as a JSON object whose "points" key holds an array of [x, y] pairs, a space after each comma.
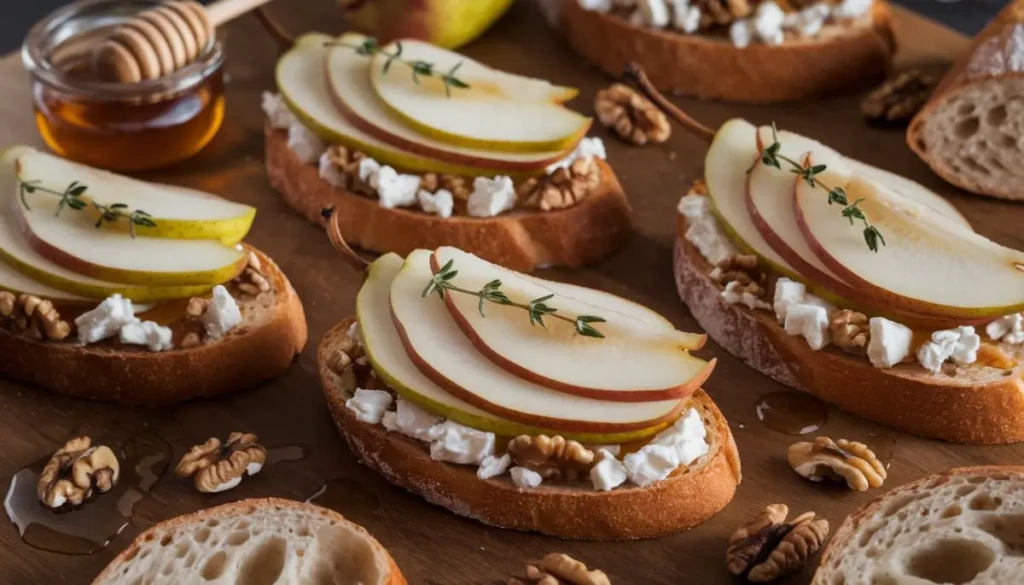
{"points": [[258, 544], [961, 529]]}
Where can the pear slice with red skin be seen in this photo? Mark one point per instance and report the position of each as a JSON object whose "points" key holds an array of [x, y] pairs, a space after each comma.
{"points": [[930, 265], [445, 356], [635, 361]]}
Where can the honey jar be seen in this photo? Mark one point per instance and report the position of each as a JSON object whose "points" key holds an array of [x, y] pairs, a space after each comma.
{"points": [[118, 126]]}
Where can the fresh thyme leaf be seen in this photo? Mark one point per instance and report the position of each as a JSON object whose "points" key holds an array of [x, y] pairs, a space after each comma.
{"points": [[71, 198], [78, 190], [536, 310], [418, 67]]}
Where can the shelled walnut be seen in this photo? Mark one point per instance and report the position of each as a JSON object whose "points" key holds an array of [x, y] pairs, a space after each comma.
{"points": [[742, 269], [899, 99], [251, 281], [631, 116], [347, 160], [460, 187], [551, 457], [850, 331], [840, 460], [565, 187], [768, 547], [214, 467], [722, 12], [75, 471], [561, 569], [35, 317]]}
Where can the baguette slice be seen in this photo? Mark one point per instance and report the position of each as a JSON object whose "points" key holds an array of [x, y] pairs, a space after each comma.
{"points": [[962, 526], [520, 240], [971, 131], [254, 541], [981, 405], [262, 347], [713, 68], [687, 498]]}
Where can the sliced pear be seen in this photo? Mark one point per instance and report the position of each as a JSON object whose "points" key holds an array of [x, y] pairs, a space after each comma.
{"points": [[498, 111], [634, 362], [13, 281], [930, 264], [439, 349], [349, 80], [179, 213], [71, 240], [733, 152], [302, 81], [448, 23], [907, 188], [387, 353], [602, 299]]}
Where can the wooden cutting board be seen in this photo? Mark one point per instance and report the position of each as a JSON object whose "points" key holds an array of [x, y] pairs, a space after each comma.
{"points": [[431, 545]]}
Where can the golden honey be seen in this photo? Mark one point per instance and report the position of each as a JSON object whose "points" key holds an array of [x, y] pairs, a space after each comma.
{"points": [[122, 127]]}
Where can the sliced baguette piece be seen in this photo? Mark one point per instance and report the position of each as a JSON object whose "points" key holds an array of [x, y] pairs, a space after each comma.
{"points": [[713, 68], [520, 240], [687, 498], [971, 131], [254, 541], [964, 525], [271, 334], [906, 397]]}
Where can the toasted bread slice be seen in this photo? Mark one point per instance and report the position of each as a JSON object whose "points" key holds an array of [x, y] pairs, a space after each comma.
{"points": [[971, 131], [272, 333], [520, 240], [713, 68], [960, 526], [254, 541], [685, 499], [980, 404]]}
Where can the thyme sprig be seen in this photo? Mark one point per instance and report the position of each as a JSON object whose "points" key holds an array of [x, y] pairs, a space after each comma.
{"points": [[72, 198], [419, 67], [851, 211], [537, 309]]}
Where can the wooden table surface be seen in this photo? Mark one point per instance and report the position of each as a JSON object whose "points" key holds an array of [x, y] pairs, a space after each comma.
{"points": [[431, 545]]}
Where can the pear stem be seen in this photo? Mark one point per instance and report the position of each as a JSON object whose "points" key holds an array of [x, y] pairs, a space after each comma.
{"points": [[634, 74], [357, 262]]}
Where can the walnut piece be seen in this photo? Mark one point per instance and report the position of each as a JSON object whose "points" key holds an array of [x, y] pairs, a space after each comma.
{"points": [[37, 318], [899, 99], [561, 569], [214, 467], [346, 161], [633, 117], [742, 269], [551, 457], [768, 547], [563, 188], [251, 281], [459, 186], [722, 12], [850, 331], [75, 471], [840, 460]]}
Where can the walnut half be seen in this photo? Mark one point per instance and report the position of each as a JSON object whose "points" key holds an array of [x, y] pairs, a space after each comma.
{"points": [[75, 471], [768, 547], [551, 457], [558, 569], [633, 117], [840, 460], [216, 468]]}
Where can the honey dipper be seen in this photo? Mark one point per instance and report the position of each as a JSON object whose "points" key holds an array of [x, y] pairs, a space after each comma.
{"points": [[163, 39]]}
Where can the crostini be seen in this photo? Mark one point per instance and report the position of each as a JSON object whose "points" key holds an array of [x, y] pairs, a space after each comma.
{"points": [[758, 51], [117, 289], [856, 285], [486, 161], [525, 403]]}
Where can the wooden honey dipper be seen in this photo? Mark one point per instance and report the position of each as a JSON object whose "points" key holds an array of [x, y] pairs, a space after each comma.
{"points": [[161, 40]]}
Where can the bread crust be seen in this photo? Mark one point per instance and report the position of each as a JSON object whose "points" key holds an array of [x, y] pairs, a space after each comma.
{"points": [[242, 507], [521, 240], [961, 410], [244, 358], [715, 69], [974, 69], [683, 501], [841, 537]]}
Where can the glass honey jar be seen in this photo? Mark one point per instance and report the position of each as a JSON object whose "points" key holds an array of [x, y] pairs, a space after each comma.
{"points": [[118, 126]]}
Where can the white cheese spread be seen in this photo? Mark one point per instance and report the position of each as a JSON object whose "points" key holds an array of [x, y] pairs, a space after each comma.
{"points": [[1008, 329], [767, 22], [492, 466], [330, 172], [277, 111], [222, 315], [732, 296], [456, 443], [960, 345], [154, 336], [587, 148], [650, 464], [703, 230], [608, 474], [441, 203], [525, 478], [413, 421], [491, 197], [106, 320], [369, 405], [306, 145], [890, 342]]}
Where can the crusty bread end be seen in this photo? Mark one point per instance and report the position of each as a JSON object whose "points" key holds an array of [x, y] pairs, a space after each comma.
{"points": [[254, 541], [687, 498], [962, 526]]}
